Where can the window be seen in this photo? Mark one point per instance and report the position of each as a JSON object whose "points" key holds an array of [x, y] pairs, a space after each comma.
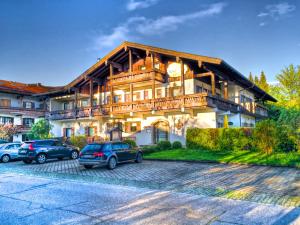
{"points": [[6, 120], [199, 89], [28, 105], [156, 65], [28, 122], [176, 91], [132, 127], [158, 93], [68, 132], [146, 94], [5, 102], [117, 98], [25, 137], [90, 131], [67, 105], [84, 103]]}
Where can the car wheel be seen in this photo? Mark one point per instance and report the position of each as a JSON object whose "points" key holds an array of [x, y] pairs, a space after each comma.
{"points": [[41, 158], [5, 158], [27, 161], [139, 158], [88, 166], [112, 163], [74, 155]]}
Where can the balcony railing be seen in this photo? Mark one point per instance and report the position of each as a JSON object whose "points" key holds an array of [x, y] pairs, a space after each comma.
{"points": [[254, 108], [178, 103], [144, 75], [23, 111]]}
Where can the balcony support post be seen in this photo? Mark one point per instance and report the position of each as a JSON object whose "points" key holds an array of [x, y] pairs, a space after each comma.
{"points": [[226, 89], [130, 60], [213, 84], [91, 93], [182, 77]]}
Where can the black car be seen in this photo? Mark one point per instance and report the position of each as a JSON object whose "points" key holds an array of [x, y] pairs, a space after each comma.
{"points": [[108, 154], [41, 150]]}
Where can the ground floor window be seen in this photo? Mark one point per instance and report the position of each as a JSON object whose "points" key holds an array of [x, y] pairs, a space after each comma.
{"points": [[90, 131], [161, 131], [6, 120], [25, 137], [132, 127]]}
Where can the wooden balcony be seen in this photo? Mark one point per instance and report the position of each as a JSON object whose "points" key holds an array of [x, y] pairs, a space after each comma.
{"points": [[200, 100], [138, 76], [36, 112], [254, 109]]}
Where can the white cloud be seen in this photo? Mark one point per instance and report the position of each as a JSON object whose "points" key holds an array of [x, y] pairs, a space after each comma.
{"points": [[277, 10], [262, 24], [137, 26], [134, 4]]}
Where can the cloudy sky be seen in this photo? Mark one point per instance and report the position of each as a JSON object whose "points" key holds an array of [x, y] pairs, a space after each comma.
{"points": [[53, 41]]}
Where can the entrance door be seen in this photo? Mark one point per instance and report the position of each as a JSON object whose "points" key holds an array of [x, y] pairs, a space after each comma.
{"points": [[161, 131]]}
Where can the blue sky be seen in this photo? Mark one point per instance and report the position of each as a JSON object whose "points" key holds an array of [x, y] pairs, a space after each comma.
{"points": [[54, 41]]}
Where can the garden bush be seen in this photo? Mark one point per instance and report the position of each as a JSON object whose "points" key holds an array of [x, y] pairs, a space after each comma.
{"points": [[176, 145], [164, 145], [132, 143], [78, 141]]}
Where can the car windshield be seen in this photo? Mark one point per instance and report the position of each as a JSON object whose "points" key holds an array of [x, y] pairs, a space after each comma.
{"points": [[92, 148]]}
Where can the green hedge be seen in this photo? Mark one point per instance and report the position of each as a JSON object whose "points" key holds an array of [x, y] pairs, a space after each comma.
{"points": [[219, 139], [266, 137]]}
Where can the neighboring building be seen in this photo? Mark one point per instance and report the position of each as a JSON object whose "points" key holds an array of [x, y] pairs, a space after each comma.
{"points": [[151, 94], [20, 107]]}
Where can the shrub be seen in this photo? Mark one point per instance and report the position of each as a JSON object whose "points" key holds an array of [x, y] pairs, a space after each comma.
{"points": [[176, 145], [132, 143], [197, 138], [265, 136], [164, 145], [78, 141]]}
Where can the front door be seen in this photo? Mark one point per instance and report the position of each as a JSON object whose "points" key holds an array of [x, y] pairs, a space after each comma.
{"points": [[161, 131]]}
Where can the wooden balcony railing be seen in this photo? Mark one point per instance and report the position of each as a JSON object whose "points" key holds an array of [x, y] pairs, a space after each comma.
{"points": [[254, 108], [145, 75], [23, 111], [200, 100]]}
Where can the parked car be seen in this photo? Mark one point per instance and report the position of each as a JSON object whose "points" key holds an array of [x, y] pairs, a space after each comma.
{"points": [[108, 154], [3, 141], [9, 151], [41, 150]]}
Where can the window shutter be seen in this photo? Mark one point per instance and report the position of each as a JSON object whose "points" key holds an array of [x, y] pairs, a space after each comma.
{"points": [[138, 126], [64, 132], [73, 131], [95, 131], [24, 104], [87, 131], [32, 105]]}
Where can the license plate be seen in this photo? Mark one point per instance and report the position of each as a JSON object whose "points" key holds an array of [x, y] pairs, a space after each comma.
{"points": [[88, 157]]}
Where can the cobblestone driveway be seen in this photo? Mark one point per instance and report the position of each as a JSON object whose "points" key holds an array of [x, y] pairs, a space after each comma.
{"points": [[262, 184]]}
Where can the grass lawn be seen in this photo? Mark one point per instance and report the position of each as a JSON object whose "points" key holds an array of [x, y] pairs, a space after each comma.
{"points": [[245, 157]]}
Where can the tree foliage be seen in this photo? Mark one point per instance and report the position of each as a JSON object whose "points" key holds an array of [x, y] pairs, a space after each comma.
{"points": [[40, 130], [7, 131]]}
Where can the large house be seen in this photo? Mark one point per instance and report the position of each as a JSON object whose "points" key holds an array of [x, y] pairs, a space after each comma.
{"points": [[151, 94], [19, 106]]}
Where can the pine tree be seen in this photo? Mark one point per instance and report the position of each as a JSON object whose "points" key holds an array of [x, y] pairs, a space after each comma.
{"points": [[251, 77], [256, 80], [263, 84]]}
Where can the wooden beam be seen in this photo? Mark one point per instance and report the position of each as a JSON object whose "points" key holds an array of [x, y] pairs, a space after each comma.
{"points": [[213, 84], [111, 73], [91, 93], [76, 99], [115, 65], [200, 63], [208, 74], [131, 92], [130, 60], [99, 94], [152, 61], [153, 85]]}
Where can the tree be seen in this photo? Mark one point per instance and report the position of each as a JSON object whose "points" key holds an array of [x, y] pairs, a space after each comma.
{"points": [[256, 80], [40, 130], [7, 131], [287, 91], [251, 77], [263, 84]]}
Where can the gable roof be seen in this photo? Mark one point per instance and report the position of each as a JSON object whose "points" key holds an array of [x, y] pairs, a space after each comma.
{"points": [[217, 63], [25, 89]]}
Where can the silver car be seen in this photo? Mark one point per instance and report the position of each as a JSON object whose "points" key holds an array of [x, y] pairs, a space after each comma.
{"points": [[9, 151]]}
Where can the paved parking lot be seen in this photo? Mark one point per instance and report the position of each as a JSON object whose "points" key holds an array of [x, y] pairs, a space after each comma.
{"points": [[273, 185]]}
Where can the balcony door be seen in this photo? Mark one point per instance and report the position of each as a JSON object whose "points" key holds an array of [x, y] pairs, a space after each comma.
{"points": [[161, 131]]}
